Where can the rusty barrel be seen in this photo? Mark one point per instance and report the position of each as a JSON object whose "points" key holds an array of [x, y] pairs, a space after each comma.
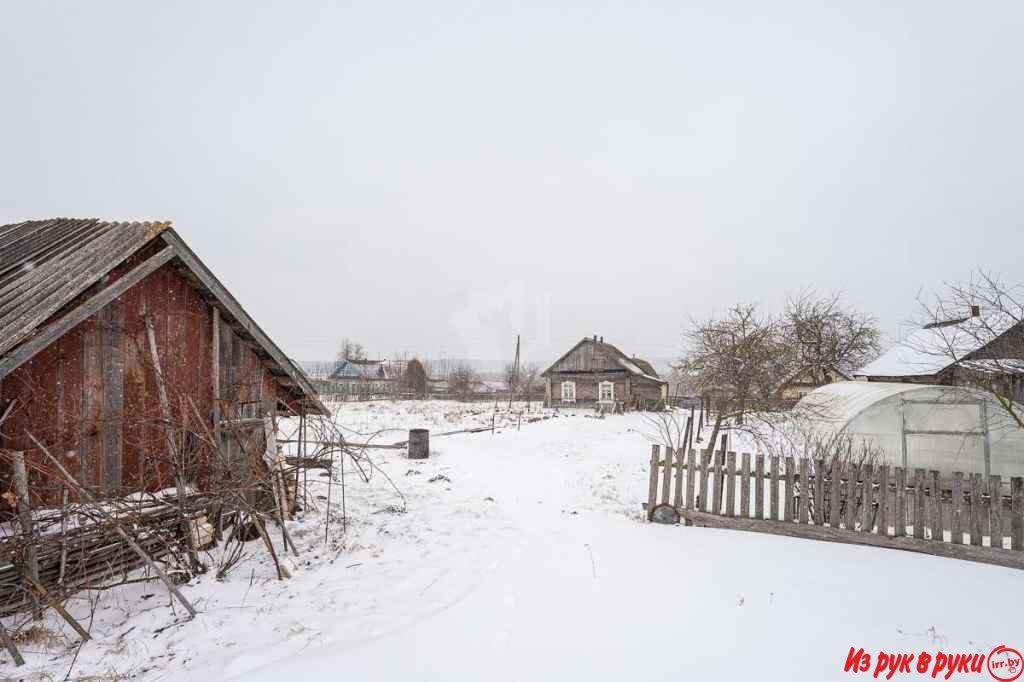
{"points": [[419, 443]]}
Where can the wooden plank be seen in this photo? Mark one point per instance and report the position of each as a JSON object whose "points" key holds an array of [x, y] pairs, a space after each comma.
{"points": [[900, 508], [984, 555], [920, 520], [995, 510], [805, 490], [28, 349], [91, 452], [883, 500], [773, 489], [1017, 513], [11, 647], [790, 490], [677, 500], [819, 492], [702, 504], [957, 508], [111, 322], [745, 485], [691, 476], [867, 511], [836, 474], [730, 484], [666, 475], [848, 514], [759, 486], [652, 489], [976, 511], [24, 510], [938, 533], [716, 494]]}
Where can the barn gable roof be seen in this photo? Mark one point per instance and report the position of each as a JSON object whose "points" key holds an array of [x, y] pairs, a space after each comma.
{"points": [[635, 366], [361, 369], [45, 265]]}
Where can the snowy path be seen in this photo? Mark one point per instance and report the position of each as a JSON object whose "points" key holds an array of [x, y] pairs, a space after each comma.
{"points": [[597, 595], [522, 556]]}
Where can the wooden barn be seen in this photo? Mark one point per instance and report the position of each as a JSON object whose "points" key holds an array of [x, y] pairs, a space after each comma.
{"points": [[595, 373], [117, 344]]}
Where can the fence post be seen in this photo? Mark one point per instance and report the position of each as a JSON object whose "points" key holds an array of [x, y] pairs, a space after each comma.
{"points": [[836, 487], [24, 509], [716, 491], [995, 510], [1017, 511], [976, 510], [759, 486], [666, 481], [883, 500], [957, 508], [901, 502], [730, 484], [691, 476], [936, 495], [787, 504], [849, 512], [652, 491], [773, 490], [919, 505], [805, 490], [677, 500], [867, 503], [704, 459], [819, 492], [745, 486]]}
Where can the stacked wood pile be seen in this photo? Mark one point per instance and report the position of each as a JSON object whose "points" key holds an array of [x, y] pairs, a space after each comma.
{"points": [[78, 547]]}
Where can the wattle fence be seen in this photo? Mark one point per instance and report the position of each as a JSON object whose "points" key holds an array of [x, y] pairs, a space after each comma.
{"points": [[964, 516]]}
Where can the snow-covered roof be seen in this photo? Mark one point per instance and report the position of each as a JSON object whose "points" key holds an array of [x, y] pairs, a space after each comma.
{"points": [[931, 349], [839, 403], [636, 366]]}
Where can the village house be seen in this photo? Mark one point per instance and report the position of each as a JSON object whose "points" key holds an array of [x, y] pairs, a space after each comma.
{"points": [[112, 333], [363, 379], [596, 373], [807, 379], [975, 350]]}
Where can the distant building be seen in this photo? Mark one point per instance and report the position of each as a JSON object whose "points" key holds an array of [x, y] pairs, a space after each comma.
{"points": [[363, 379], [599, 374], [976, 350], [807, 379]]}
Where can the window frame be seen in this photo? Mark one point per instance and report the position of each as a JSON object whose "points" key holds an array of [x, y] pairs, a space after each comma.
{"points": [[600, 391], [572, 385]]}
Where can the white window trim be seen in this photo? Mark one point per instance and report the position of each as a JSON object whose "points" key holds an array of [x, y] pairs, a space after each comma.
{"points": [[600, 390], [573, 391]]}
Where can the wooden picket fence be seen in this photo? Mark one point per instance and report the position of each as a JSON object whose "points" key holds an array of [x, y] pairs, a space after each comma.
{"points": [[965, 516]]}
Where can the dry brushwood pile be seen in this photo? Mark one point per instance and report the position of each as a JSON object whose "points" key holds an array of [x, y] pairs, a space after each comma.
{"points": [[77, 547]]}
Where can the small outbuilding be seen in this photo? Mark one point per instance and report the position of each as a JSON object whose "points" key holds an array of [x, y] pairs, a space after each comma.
{"points": [[596, 373], [943, 428]]}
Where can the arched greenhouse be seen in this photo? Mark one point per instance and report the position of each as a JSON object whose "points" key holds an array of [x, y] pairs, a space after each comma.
{"points": [[943, 428]]}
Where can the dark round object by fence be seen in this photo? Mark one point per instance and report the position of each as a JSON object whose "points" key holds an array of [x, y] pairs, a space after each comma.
{"points": [[419, 443], [665, 513]]}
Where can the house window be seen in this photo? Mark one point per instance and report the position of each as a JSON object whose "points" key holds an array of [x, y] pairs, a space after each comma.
{"points": [[606, 392], [568, 391]]}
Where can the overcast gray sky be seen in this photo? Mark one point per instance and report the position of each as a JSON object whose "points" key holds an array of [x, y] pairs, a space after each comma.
{"points": [[436, 177]]}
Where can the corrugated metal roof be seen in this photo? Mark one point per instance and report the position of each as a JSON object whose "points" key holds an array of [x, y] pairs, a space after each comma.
{"points": [[45, 264]]}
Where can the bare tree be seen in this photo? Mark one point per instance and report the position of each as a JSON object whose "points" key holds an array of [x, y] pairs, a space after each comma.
{"points": [[975, 330], [462, 380], [826, 336], [351, 350], [739, 360], [511, 375]]}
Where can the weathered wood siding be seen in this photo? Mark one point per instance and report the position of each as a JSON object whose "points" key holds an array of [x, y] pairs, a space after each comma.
{"points": [[91, 396]]}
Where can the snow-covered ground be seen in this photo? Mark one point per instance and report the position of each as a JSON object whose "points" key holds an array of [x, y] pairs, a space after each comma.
{"points": [[523, 555]]}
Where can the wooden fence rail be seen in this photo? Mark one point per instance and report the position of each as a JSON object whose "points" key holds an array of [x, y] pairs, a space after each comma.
{"points": [[965, 516]]}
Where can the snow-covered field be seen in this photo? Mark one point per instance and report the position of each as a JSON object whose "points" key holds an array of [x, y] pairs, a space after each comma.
{"points": [[522, 555]]}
